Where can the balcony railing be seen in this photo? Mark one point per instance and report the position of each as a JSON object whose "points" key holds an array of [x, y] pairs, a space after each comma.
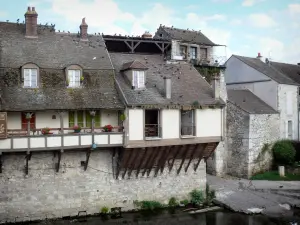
{"points": [[152, 131], [213, 60], [66, 138], [188, 130]]}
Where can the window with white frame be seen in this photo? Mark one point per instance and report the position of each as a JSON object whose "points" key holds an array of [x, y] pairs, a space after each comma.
{"points": [[74, 78], [290, 130], [30, 77], [193, 52], [138, 79]]}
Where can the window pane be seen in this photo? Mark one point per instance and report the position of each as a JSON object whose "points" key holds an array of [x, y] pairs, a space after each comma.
{"points": [[26, 77], [97, 119], [71, 119], [135, 78], [80, 118], [77, 78], [141, 82], [71, 78]]}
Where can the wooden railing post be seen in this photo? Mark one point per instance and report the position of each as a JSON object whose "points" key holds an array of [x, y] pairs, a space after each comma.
{"points": [[93, 113], [61, 119]]}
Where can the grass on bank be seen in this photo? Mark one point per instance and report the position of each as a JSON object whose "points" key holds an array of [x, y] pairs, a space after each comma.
{"points": [[274, 176]]}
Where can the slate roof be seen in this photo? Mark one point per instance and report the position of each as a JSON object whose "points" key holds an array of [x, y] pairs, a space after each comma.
{"points": [[290, 70], [249, 102], [191, 36], [187, 84], [134, 65], [52, 52], [269, 70]]}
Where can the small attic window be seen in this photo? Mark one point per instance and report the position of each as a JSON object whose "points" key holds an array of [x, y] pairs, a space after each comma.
{"points": [[160, 35], [138, 79], [74, 76], [30, 73]]}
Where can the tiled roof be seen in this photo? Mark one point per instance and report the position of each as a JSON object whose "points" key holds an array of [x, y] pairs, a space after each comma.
{"points": [[191, 36], [52, 52], [188, 86], [269, 70], [249, 102], [134, 65]]}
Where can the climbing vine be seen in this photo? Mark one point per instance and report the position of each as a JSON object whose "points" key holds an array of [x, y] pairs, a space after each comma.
{"points": [[209, 72]]}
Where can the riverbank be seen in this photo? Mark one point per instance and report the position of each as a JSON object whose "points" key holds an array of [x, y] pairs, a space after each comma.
{"points": [[266, 197]]}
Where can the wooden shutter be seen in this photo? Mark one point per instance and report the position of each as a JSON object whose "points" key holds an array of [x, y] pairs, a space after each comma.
{"points": [[24, 121], [26, 77]]}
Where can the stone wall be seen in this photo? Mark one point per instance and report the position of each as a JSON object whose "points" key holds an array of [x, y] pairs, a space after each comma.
{"points": [[43, 193], [217, 165], [264, 131], [237, 141]]}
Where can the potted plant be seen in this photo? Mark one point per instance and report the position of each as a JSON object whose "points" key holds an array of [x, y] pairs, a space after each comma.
{"points": [[122, 119], [77, 129], [46, 131], [107, 128]]}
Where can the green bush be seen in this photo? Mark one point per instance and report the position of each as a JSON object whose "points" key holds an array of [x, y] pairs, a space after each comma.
{"points": [[104, 210], [184, 202], [173, 202], [197, 197], [150, 205], [284, 152]]}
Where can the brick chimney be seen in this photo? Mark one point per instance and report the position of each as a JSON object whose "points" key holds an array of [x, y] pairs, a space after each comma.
{"points": [[83, 30], [168, 87], [215, 83], [147, 35], [31, 23], [259, 56]]}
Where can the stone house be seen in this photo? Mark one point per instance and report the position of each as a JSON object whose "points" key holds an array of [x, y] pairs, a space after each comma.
{"points": [[166, 121], [251, 123]]}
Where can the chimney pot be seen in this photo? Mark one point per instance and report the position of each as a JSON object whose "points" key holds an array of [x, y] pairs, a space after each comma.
{"points": [[83, 30], [259, 55], [31, 23], [168, 87]]}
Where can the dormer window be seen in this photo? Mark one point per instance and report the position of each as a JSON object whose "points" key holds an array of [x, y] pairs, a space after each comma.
{"points": [[30, 74], [138, 79], [74, 76]]}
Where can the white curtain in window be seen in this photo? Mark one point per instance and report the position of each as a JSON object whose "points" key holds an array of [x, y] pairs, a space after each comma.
{"points": [[30, 77], [141, 79], [74, 78]]}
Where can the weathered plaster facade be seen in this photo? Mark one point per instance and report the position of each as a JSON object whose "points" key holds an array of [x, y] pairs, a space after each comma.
{"points": [[47, 194]]}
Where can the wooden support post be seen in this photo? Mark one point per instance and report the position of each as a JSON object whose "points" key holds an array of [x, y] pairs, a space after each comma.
{"points": [[151, 155], [162, 167], [129, 46], [163, 151], [192, 156], [0, 162], [183, 158], [141, 163], [88, 153], [201, 153], [28, 157], [61, 119], [93, 113], [174, 158], [156, 156], [137, 44], [58, 161], [161, 49], [166, 46], [127, 162], [132, 163]]}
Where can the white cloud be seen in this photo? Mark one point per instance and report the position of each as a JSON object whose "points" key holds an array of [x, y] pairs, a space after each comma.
{"points": [[248, 3], [261, 20], [222, 1], [236, 22], [218, 17], [294, 9]]}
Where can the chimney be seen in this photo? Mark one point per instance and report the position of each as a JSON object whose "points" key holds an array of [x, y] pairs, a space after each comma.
{"points": [[215, 83], [260, 57], [147, 35], [31, 23], [168, 87], [83, 30]]}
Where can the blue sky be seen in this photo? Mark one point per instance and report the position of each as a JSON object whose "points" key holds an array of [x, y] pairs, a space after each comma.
{"points": [[247, 27]]}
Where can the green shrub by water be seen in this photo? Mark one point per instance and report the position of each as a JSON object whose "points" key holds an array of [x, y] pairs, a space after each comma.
{"points": [[104, 210], [197, 197], [148, 205], [284, 152], [173, 202]]}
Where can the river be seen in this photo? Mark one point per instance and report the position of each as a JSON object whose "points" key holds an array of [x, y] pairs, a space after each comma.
{"points": [[222, 217]]}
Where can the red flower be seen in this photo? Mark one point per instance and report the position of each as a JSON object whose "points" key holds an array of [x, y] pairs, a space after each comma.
{"points": [[108, 128]]}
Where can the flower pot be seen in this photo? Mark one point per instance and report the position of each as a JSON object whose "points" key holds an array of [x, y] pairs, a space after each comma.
{"points": [[77, 131]]}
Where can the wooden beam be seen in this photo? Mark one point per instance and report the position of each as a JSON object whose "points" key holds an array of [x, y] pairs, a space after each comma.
{"points": [[134, 39], [160, 159], [163, 163], [58, 161], [27, 157], [192, 156], [157, 156], [178, 150], [200, 156], [151, 155], [166, 46], [137, 44], [141, 163], [88, 153], [159, 47], [183, 158], [132, 163], [129, 46], [127, 161]]}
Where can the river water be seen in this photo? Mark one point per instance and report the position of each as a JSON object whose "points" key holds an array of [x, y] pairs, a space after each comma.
{"points": [[169, 218]]}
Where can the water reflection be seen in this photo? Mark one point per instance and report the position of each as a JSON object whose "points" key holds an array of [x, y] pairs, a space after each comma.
{"points": [[179, 218]]}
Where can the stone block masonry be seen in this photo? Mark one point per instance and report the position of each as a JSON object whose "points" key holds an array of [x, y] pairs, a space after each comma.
{"points": [[43, 193]]}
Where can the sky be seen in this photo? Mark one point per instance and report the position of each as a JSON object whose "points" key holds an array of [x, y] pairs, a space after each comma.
{"points": [[246, 27]]}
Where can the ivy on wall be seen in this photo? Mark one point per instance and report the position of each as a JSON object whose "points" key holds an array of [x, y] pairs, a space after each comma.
{"points": [[209, 72]]}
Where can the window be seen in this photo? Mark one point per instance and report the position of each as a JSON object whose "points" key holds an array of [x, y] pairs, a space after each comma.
{"points": [[30, 77], [203, 53], [290, 130], [25, 122], [187, 123], [193, 53], [160, 35], [83, 119], [74, 78], [183, 51], [152, 124], [138, 80]]}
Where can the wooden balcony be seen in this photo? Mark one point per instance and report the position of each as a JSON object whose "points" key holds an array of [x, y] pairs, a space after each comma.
{"points": [[59, 139]]}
